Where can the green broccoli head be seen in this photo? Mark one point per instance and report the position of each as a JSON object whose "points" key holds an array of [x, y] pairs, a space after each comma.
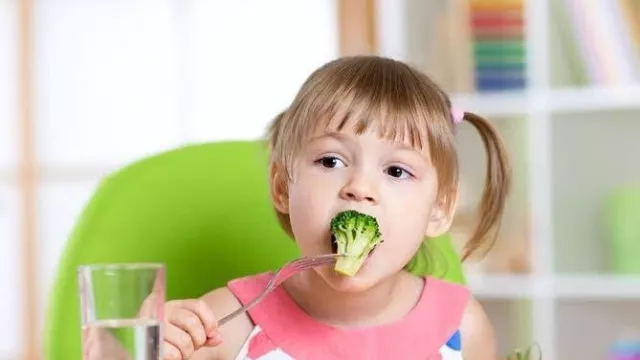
{"points": [[355, 235]]}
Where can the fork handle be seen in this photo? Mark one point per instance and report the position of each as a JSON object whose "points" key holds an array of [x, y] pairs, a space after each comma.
{"points": [[237, 312]]}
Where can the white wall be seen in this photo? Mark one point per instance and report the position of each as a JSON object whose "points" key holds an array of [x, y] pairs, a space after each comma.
{"points": [[117, 80]]}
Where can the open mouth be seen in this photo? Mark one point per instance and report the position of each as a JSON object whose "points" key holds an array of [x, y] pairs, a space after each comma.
{"points": [[334, 245]]}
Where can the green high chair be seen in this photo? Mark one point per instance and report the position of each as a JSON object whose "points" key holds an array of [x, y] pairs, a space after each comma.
{"points": [[203, 210]]}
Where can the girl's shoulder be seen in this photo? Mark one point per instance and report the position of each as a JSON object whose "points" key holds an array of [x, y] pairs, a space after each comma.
{"points": [[478, 337], [474, 332]]}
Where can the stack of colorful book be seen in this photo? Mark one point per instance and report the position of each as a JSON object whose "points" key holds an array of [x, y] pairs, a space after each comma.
{"points": [[499, 45]]}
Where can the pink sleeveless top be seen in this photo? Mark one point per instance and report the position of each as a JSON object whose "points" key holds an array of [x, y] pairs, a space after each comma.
{"points": [[283, 331]]}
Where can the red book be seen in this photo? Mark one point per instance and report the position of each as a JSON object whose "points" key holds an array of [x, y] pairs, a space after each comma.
{"points": [[496, 19]]}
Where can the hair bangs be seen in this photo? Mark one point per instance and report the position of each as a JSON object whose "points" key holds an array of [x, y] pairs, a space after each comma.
{"points": [[357, 113], [357, 95]]}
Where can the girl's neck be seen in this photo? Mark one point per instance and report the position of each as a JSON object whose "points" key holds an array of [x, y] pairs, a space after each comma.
{"points": [[386, 302]]}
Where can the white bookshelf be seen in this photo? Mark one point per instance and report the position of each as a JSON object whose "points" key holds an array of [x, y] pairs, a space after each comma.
{"points": [[559, 101], [563, 287], [594, 99], [570, 303], [504, 287], [498, 105]]}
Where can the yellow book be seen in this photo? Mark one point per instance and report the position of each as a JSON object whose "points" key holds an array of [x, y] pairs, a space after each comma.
{"points": [[496, 4], [631, 13]]}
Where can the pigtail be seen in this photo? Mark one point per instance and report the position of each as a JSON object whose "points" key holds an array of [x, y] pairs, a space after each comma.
{"points": [[496, 188]]}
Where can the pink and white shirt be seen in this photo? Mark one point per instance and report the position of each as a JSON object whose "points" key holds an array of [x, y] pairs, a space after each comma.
{"points": [[283, 331]]}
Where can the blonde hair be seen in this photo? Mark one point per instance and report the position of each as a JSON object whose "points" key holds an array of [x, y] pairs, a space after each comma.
{"points": [[404, 105]]}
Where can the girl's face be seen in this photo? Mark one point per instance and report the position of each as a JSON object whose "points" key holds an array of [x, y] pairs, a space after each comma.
{"points": [[390, 181]]}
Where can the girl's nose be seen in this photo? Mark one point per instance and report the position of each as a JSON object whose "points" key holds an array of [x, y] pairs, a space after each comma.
{"points": [[359, 189]]}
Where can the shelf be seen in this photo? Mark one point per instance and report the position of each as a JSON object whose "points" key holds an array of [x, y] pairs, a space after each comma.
{"points": [[583, 287], [559, 101], [594, 99], [597, 287], [501, 286], [493, 104]]}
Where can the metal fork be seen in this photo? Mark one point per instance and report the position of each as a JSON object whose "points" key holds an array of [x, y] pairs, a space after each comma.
{"points": [[284, 273]]}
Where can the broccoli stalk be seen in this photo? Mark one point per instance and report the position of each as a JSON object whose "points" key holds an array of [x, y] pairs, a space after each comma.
{"points": [[355, 235]]}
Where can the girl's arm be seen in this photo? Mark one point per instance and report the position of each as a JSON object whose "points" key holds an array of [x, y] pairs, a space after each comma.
{"points": [[478, 339]]}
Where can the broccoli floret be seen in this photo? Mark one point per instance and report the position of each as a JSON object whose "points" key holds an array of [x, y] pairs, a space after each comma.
{"points": [[355, 235]]}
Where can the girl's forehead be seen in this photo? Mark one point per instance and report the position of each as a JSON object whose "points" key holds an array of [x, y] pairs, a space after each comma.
{"points": [[393, 130]]}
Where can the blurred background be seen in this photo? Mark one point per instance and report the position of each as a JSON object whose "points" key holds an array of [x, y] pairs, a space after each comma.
{"points": [[88, 86]]}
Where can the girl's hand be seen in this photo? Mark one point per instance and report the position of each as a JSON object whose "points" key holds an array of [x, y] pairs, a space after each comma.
{"points": [[189, 326]]}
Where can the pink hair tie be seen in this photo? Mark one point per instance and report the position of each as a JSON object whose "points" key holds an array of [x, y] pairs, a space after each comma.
{"points": [[457, 115]]}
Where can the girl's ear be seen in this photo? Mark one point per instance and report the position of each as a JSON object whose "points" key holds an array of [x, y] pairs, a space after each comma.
{"points": [[441, 218], [278, 188]]}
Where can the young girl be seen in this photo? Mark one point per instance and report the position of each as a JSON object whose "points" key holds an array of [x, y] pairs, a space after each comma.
{"points": [[375, 135]]}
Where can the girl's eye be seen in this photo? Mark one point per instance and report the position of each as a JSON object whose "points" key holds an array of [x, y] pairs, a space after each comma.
{"points": [[398, 172], [330, 162]]}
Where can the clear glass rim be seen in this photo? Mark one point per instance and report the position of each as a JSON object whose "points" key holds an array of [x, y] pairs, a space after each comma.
{"points": [[121, 266]]}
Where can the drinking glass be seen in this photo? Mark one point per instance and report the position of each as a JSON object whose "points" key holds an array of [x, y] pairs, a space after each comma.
{"points": [[122, 308]]}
